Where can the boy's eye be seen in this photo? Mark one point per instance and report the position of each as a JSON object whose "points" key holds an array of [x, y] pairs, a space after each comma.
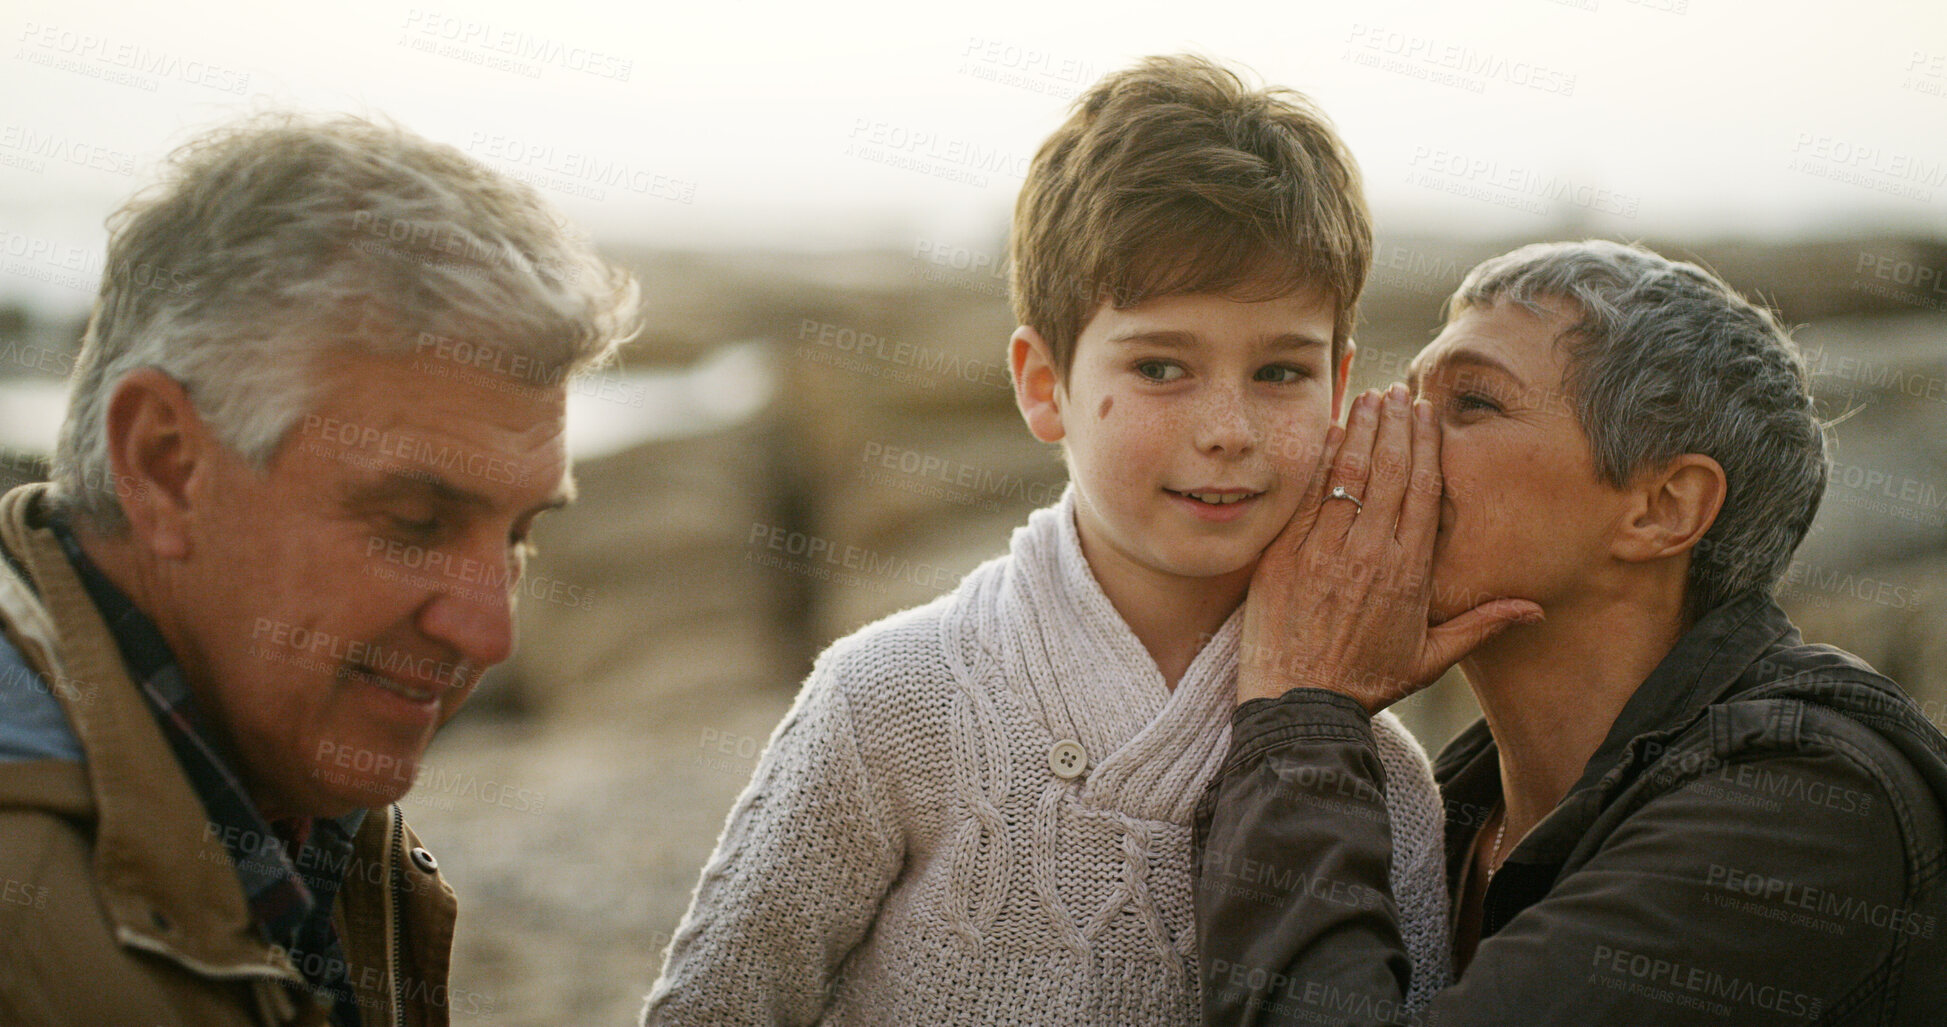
{"points": [[1159, 370], [1281, 374]]}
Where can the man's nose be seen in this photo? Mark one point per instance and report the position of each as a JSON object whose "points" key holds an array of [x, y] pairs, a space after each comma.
{"points": [[475, 619]]}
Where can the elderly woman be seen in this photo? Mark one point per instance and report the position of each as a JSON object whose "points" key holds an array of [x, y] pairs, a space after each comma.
{"points": [[1675, 811]]}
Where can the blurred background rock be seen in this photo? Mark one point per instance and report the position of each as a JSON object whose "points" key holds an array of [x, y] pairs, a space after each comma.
{"points": [[801, 445]]}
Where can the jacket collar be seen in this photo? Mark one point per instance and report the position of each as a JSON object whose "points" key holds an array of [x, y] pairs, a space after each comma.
{"points": [[167, 884], [1704, 666]]}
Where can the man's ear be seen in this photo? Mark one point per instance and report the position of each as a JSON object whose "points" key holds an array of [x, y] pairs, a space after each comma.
{"points": [[157, 444], [1672, 508], [1037, 384], [1341, 375]]}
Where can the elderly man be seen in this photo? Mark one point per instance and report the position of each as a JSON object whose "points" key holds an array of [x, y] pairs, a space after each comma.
{"points": [[1675, 810], [318, 409]]}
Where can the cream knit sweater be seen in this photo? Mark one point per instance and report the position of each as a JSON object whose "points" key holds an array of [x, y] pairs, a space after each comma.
{"points": [[907, 853]]}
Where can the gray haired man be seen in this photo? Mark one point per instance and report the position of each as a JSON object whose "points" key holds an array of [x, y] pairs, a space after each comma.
{"points": [[317, 411]]}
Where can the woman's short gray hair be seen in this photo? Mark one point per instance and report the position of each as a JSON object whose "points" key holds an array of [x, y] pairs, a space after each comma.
{"points": [[1667, 359], [278, 239]]}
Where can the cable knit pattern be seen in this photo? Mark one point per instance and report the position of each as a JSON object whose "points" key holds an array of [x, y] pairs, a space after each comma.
{"points": [[905, 854]]}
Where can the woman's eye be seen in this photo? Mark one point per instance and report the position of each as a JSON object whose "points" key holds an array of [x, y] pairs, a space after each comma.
{"points": [[1159, 370], [1474, 402], [1282, 374]]}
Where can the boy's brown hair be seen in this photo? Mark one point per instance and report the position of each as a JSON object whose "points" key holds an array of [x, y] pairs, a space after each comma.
{"points": [[1173, 177]]}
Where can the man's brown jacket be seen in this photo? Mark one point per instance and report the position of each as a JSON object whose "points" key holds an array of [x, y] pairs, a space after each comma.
{"points": [[117, 906]]}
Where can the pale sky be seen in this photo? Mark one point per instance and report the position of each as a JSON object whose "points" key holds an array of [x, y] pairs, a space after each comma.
{"points": [[904, 125]]}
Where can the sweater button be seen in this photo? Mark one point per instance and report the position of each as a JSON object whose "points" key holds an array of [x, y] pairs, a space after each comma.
{"points": [[424, 860], [1068, 759]]}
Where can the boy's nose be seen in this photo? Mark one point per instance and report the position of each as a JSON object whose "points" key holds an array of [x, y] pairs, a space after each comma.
{"points": [[1225, 426]]}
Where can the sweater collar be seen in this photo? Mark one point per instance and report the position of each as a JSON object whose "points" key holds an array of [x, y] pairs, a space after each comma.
{"points": [[1081, 671]]}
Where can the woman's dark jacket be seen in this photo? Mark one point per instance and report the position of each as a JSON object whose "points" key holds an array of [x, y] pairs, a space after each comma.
{"points": [[1758, 840]]}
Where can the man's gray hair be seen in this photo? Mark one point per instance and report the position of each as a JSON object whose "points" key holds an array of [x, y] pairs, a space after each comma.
{"points": [[1667, 359], [277, 240]]}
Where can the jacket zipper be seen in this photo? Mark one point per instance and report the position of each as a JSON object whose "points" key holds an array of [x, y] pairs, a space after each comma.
{"points": [[398, 842]]}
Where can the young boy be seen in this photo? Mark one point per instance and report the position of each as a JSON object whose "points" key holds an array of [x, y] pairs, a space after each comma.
{"points": [[979, 811]]}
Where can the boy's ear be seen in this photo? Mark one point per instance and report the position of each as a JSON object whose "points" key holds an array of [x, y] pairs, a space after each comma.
{"points": [[1670, 509], [157, 444], [1340, 376], [1037, 385]]}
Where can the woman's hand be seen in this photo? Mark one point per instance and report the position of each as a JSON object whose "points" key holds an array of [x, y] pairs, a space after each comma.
{"points": [[1339, 599]]}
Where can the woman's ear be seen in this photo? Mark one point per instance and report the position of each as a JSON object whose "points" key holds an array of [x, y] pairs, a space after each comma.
{"points": [[1341, 375], [1674, 507], [1037, 385]]}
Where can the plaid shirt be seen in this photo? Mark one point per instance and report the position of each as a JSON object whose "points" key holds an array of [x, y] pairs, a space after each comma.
{"points": [[290, 900]]}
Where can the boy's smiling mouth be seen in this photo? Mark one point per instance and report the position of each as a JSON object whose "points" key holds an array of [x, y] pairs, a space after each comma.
{"points": [[1216, 496]]}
